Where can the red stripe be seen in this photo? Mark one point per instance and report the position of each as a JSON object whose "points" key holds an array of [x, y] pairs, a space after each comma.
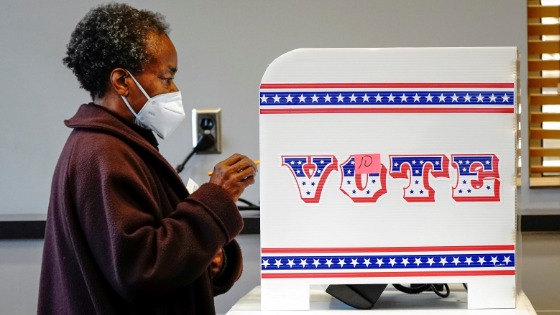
{"points": [[389, 274], [384, 85], [386, 249], [431, 110]]}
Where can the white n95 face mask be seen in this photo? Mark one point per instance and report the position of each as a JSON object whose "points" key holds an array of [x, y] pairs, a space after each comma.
{"points": [[162, 113]]}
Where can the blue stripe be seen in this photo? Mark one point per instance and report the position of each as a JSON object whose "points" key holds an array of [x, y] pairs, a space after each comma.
{"points": [[460, 98], [386, 259]]}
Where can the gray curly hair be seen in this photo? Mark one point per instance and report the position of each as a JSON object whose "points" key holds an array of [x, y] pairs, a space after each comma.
{"points": [[111, 36]]}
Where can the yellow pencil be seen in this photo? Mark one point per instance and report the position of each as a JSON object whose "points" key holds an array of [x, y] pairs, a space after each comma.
{"points": [[256, 162]]}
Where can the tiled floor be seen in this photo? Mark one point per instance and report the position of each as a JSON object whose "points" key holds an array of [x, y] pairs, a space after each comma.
{"points": [[540, 273]]}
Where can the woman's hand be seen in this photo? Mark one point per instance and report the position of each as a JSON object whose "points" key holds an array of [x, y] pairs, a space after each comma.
{"points": [[234, 174]]}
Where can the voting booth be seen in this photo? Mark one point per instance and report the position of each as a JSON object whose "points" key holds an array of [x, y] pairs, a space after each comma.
{"points": [[392, 165]]}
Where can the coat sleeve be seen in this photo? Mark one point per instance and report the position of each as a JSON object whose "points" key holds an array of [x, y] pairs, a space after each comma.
{"points": [[232, 269], [142, 253]]}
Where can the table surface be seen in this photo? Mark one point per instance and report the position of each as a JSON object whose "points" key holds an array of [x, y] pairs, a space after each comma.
{"points": [[391, 302]]}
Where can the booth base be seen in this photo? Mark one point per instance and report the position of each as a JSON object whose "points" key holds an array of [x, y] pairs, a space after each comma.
{"points": [[391, 302]]}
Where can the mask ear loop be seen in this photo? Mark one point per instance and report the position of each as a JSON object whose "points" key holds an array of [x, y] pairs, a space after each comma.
{"points": [[141, 89], [129, 107], [139, 86]]}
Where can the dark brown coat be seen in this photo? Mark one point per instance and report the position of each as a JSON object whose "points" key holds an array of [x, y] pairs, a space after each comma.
{"points": [[123, 236]]}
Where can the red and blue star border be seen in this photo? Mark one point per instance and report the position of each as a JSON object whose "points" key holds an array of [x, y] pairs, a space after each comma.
{"points": [[301, 98], [388, 261]]}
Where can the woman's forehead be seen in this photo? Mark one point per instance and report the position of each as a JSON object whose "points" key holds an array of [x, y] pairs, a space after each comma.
{"points": [[161, 52]]}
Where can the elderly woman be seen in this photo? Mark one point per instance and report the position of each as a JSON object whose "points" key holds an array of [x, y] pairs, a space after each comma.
{"points": [[123, 235]]}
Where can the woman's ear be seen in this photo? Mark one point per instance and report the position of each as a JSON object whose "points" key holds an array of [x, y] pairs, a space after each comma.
{"points": [[118, 81]]}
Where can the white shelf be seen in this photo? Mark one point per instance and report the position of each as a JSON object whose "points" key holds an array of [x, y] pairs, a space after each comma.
{"points": [[391, 302]]}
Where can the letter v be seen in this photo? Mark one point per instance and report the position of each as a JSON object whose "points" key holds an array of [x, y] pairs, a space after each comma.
{"points": [[310, 173]]}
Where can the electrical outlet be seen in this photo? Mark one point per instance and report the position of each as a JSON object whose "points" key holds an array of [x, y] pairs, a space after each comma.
{"points": [[207, 121]]}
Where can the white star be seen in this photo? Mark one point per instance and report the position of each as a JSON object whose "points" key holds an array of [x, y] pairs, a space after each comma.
{"points": [[492, 98], [341, 262], [316, 262], [276, 98], [505, 98], [418, 261], [354, 262], [289, 98], [291, 263], [353, 98], [314, 98], [379, 262], [292, 162], [405, 261], [469, 260], [392, 261], [429, 97], [506, 260], [481, 260], [454, 98], [340, 98], [467, 98], [404, 98], [391, 98], [365, 98], [442, 98], [416, 98], [456, 261], [494, 260], [378, 98], [443, 261], [264, 98], [367, 262], [431, 261], [303, 262], [479, 98], [302, 98], [327, 98], [265, 263], [329, 262], [278, 263]]}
